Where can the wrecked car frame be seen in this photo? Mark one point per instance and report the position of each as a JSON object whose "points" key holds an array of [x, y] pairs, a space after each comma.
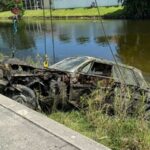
{"points": [[66, 81]]}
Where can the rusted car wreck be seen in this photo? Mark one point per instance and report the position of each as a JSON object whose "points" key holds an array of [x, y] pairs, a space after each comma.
{"points": [[66, 81]]}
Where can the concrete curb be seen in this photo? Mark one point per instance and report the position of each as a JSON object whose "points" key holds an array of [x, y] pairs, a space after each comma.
{"points": [[60, 131]]}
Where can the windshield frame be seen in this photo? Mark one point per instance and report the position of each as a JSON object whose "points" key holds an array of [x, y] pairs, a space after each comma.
{"points": [[66, 64]]}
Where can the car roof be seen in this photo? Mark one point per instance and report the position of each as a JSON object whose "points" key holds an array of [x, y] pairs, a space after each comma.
{"points": [[117, 64], [109, 62], [105, 61]]}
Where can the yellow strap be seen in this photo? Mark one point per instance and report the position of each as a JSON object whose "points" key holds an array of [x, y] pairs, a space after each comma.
{"points": [[46, 64]]}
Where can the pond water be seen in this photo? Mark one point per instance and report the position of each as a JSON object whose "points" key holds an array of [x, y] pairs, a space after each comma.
{"points": [[129, 40]]}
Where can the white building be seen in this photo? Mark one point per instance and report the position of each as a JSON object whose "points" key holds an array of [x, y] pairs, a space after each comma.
{"points": [[60, 4]]}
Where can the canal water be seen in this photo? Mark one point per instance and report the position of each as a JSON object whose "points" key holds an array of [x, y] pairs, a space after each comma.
{"points": [[129, 40]]}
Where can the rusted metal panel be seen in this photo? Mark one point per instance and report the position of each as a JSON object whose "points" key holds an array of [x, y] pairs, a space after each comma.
{"points": [[66, 81]]}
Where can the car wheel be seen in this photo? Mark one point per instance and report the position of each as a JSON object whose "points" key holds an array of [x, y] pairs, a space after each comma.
{"points": [[25, 96]]}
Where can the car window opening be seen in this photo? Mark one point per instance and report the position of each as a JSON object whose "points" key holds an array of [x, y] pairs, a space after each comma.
{"points": [[101, 69], [15, 67]]}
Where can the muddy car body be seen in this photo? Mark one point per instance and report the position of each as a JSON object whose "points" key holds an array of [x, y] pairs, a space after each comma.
{"points": [[14, 78], [27, 84], [86, 72], [66, 81]]}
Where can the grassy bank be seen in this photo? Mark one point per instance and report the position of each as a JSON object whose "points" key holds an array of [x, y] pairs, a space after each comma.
{"points": [[78, 12], [119, 132], [116, 133]]}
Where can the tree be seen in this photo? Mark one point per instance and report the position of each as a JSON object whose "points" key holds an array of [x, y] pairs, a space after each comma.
{"points": [[3, 4], [16, 6], [137, 8]]}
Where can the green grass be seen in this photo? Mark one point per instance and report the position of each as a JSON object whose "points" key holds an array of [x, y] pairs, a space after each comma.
{"points": [[68, 12], [115, 133], [119, 132], [75, 120], [5, 14]]}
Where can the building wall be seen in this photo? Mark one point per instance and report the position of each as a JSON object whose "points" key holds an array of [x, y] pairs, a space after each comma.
{"points": [[58, 4], [46, 4]]}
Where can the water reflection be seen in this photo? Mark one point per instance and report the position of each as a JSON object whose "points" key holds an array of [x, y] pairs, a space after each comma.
{"points": [[134, 46], [129, 40], [82, 40], [101, 41], [64, 38], [22, 40]]}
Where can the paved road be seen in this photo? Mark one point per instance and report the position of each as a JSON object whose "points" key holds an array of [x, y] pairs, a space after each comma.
{"points": [[24, 129]]}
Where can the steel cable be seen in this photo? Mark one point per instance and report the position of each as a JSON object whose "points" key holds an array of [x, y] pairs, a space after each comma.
{"points": [[109, 46], [52, 30], [44, 22], [46, 62]]}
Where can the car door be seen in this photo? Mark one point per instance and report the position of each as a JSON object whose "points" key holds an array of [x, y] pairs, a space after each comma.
{"points": [[88, 77], [95, 72]]}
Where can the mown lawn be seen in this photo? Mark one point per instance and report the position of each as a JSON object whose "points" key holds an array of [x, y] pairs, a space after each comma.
{"points": [[67, 12]]}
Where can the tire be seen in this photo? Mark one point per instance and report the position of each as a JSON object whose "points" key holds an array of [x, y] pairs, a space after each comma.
{"points": [[25, 96]]}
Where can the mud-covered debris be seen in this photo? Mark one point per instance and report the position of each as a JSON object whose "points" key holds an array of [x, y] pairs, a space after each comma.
{"points": [[65, 82]]}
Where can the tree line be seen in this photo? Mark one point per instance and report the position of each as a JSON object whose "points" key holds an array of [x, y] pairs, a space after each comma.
{"points": [[10, 4], [136, 8], [15, 6]]}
